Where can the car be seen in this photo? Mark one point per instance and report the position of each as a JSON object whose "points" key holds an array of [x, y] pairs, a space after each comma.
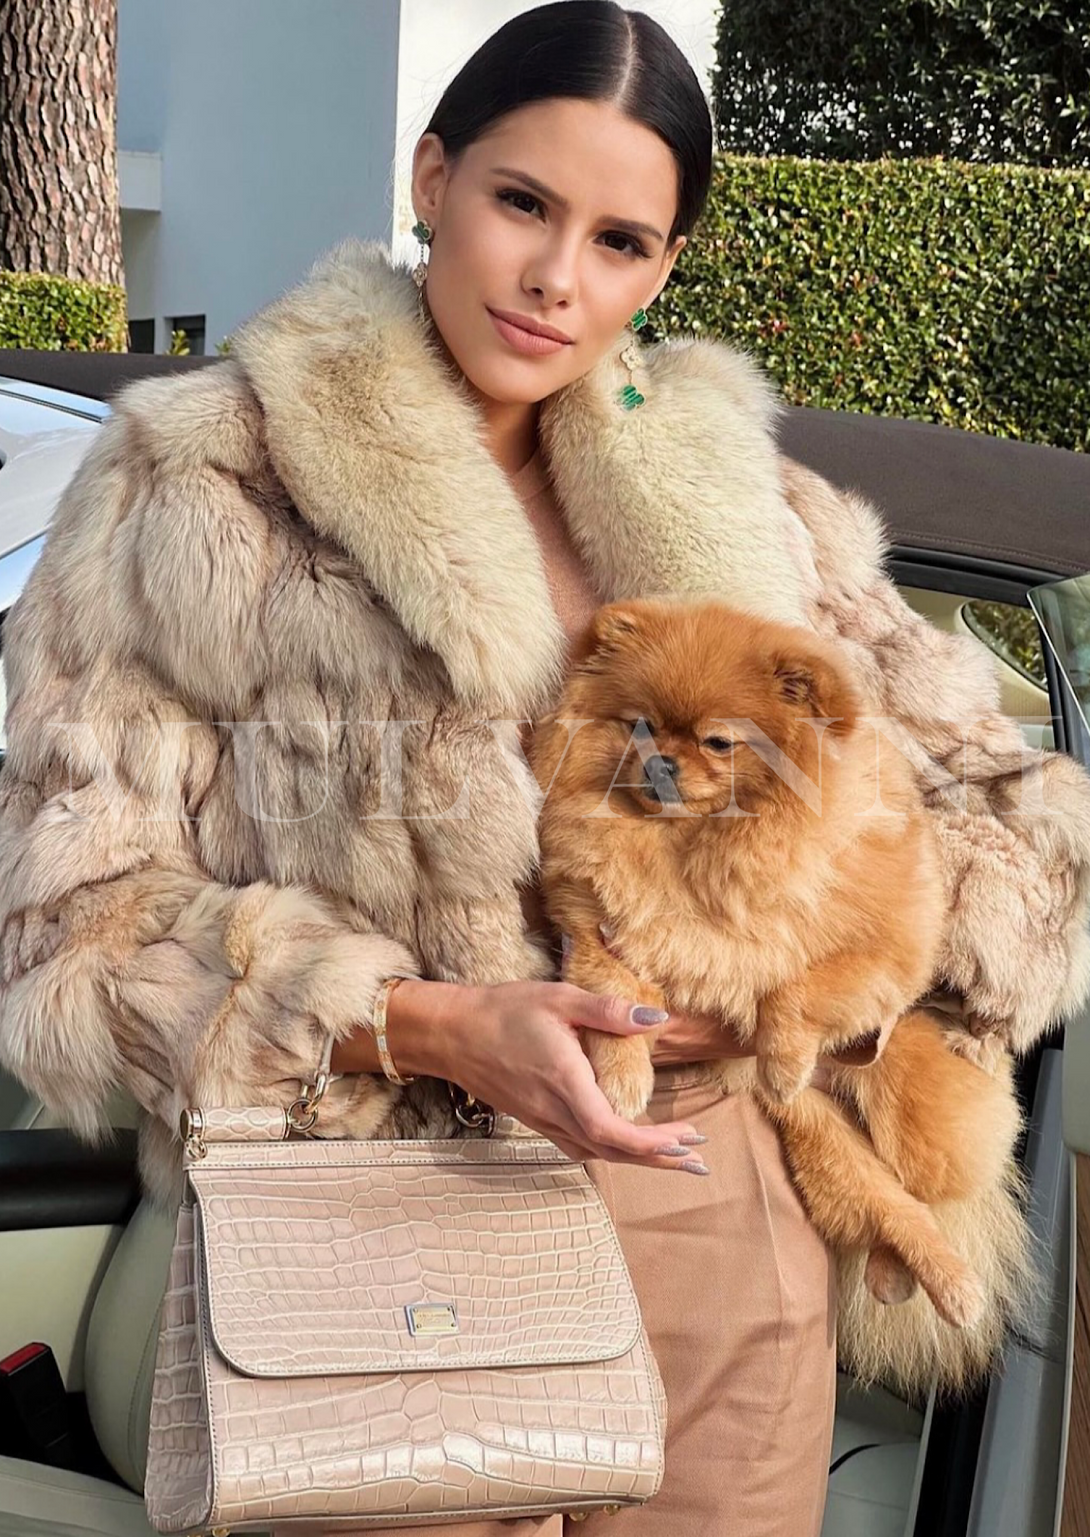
{"points": [[988, 537]]}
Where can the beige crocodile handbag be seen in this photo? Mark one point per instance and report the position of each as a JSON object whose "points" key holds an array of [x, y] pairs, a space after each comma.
{"points": [[387, 1333]]}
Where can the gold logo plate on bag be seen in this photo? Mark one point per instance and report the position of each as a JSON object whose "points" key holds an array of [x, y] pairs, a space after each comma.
{"points": [[431, 1317]]}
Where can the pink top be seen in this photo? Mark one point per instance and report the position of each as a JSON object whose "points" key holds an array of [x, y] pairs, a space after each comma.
{"points": [[574, 600]]}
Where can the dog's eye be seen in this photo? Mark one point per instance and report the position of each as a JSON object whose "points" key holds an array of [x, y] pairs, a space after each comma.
{"points": [[635, 725], [719, 743]]}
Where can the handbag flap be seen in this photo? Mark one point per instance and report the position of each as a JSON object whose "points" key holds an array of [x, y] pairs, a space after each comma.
{"points": [[315, 1265]]}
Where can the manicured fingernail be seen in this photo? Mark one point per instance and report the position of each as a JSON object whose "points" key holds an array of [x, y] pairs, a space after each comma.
{"points": [[642, 1015], [694, 1167], [672, 1152], [692, 1138]]}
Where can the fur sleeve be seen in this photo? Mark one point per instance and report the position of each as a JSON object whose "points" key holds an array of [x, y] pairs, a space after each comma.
{"points": [[121, 960], [1014, 821]]}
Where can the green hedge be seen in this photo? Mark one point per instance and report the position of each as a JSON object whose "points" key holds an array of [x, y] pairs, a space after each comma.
{"points": [[981, 80], [54, 314], [926, 289]]}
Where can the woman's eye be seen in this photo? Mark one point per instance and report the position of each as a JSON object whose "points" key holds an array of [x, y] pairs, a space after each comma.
{"points": [[719, 743], [509, 194], [634, 246]]}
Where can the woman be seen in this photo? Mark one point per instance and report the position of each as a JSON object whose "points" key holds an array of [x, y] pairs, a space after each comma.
{"points": [[269, 683]]}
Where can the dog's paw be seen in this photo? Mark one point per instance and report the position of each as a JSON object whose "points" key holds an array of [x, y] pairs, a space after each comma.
{"points": [[783, 1078], [887, 1278], [961, 1299], [628, 1097], [956, 1292], [622, 1065]]}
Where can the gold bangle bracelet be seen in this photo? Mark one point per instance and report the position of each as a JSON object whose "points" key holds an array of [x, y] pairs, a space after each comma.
{"points": [[378, 1029]]}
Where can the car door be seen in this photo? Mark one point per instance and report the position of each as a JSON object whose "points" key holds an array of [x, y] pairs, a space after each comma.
{"points": [[978, 528], [1063, 610]]}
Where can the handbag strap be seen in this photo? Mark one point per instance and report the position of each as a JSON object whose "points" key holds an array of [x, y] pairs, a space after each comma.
{"points": [[258, 1123], [271, 1123]]}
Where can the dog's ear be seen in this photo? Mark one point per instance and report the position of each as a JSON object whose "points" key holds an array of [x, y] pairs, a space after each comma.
{"points": [[819, 685], [614, 622], [609, 627]]}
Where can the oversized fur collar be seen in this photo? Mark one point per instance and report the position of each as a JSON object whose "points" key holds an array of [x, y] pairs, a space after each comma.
{"points": [[381, 449]]}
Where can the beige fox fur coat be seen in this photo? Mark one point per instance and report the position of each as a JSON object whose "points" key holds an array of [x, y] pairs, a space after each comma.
{"points": [[211, 851]]}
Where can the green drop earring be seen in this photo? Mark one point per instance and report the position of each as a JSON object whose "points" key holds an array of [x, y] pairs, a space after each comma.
{"points": [[629, 395], [423, 232]]}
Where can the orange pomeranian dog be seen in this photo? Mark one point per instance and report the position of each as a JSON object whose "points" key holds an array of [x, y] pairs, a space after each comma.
{"points": [[763, 855]]}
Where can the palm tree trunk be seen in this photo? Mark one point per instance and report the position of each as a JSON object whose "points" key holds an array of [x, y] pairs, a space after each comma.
{"points": [[59, 203]]}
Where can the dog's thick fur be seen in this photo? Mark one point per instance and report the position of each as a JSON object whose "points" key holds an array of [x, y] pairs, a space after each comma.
{"points": [[314, 532], [761, 857]]}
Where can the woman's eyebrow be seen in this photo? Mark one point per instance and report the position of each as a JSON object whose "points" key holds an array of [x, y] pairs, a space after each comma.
{"points": [[633, 226]]}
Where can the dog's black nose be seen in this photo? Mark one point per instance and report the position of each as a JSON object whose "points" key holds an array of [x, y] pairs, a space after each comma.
{"points": [[660, 775]]}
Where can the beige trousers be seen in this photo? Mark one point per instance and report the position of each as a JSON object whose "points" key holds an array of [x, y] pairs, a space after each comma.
{"points": [[738, 1295]]}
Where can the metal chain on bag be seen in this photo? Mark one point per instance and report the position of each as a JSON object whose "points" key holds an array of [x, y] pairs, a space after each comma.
{"points": [[471, 1111]]}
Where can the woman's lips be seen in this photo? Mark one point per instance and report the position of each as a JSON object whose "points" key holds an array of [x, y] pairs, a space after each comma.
{"points": [[527, 342]]}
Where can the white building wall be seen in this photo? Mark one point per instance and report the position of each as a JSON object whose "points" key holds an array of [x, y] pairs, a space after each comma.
{"points": [[274, 121]]}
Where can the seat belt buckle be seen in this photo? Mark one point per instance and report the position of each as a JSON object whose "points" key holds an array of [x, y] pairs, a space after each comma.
{"points": [[34, 1423]]}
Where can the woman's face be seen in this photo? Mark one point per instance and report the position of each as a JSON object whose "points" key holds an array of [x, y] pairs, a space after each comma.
{"points": [[561, 256]]}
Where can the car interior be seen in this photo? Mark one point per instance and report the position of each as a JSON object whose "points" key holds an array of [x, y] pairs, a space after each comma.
{"points": [[84, 1262]]}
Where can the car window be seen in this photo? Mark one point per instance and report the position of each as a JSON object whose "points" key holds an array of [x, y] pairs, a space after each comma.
{"points": [[15, 567], [1064, 612], [1012, 633], [3, 698], [1008, 632]]}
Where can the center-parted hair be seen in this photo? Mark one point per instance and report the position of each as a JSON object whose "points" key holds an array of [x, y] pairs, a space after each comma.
{"points": [[590, 50]]}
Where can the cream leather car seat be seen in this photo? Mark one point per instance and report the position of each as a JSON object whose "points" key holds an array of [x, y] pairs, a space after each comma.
{"points": [[875, 1464], [38, 1501], [20, 1110]]}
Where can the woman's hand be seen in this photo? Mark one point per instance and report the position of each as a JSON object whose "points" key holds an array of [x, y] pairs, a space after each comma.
{"points": [[516, 1047]]}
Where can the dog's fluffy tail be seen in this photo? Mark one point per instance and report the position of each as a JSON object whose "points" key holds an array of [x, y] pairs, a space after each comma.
{"points": [[908, 1347]]}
